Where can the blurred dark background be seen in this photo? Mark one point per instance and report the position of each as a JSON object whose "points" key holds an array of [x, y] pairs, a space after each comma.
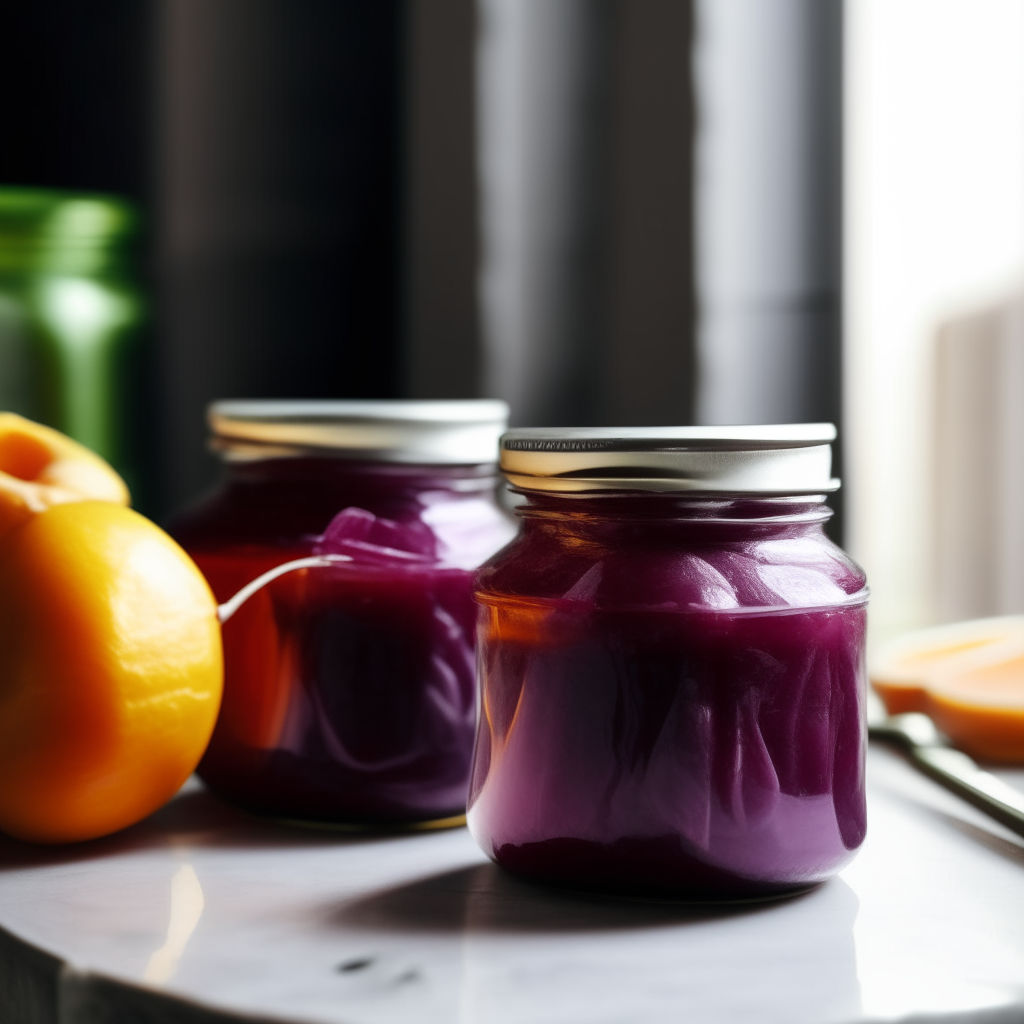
{"points": [[605, 211]]}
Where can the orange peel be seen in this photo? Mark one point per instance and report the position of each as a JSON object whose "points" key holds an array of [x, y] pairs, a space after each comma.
{"points": [[110, 650]]}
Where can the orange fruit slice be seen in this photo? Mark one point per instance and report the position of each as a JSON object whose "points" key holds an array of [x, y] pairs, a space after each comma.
{"points": [[981, 708], [110, 650], [900, 671], [969, 677]]}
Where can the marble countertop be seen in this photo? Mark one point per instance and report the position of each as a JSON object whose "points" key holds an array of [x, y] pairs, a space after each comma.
{"points": [[202, 912]]}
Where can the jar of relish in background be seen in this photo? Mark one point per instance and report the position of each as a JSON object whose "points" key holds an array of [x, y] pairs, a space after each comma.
{"points": [[671, 665], [349, 689]]}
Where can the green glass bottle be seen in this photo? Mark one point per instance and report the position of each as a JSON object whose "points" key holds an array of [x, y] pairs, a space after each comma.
{"points": [[69, 313]]}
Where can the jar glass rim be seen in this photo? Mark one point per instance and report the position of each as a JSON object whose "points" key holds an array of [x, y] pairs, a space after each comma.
{"points": [[651, 507]]}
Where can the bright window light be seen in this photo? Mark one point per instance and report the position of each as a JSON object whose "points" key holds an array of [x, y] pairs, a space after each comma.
{"points": [[934, 229]]}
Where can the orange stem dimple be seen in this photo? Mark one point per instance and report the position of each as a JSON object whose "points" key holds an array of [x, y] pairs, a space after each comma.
{"points": [[41, 468], [22, 455]]}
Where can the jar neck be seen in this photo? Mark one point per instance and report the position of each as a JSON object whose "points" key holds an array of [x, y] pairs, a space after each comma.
{"points": [[612, 514], [387, 478]]}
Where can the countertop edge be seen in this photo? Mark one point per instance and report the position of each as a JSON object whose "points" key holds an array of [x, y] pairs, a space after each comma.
{"points": [[39, 988]]}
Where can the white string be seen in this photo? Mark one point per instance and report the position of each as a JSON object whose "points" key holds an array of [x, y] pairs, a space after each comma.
{"points": [[228, 608]]}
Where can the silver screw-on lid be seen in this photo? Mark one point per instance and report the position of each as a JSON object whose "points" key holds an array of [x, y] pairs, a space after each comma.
{"points": [[788, 458], [451, 432]]}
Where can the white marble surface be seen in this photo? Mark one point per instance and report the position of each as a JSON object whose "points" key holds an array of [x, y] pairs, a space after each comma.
{"points": [[206, 904]]}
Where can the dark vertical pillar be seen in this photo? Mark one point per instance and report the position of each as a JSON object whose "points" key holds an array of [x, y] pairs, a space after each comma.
{"points": [[768, 194], [442, 329], [586, 142], [648, 365], [543, 117], [280, 194]]}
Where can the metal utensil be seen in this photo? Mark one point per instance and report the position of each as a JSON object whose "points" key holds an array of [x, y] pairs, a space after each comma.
{"points": [[928, 750]]}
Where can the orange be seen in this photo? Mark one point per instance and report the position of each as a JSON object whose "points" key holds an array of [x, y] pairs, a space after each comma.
{"points": [[110, 653]]}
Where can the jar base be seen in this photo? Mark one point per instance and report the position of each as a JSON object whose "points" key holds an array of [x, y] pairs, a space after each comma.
{"points": [[431, 825], [657, 869], [670, 900], [330, 812]]}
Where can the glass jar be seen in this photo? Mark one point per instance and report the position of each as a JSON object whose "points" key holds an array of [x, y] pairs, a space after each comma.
{"points": [[69, 310], [349, 689], [671, 666]]}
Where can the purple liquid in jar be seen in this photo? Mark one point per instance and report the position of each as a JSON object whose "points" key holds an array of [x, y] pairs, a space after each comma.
{"points": [[671, 697], [349, 690]]}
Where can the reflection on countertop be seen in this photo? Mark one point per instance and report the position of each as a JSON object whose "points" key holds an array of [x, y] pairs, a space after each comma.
{"points": [[203, 910]]}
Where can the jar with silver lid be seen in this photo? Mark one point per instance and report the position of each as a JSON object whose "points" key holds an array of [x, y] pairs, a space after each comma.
{"points": [[349, 693], [671, 665]]}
